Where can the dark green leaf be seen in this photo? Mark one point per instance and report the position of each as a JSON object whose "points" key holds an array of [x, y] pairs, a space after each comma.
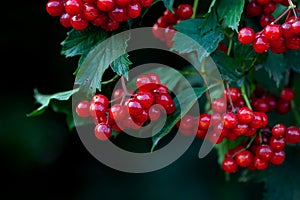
{"points": [[275, 66], [292, 59], [227, 66], [45, 100], [98, 60], [190, 27], [81, 42], [212, 4], [64, 107], [188, 40], [121, 65], [231, 11], [190, 96], [210, 22]]}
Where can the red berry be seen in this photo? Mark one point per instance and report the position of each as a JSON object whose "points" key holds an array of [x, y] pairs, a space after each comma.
{"points": [[83, 108], [245, 115], [145, 3], [97, 109], [100, 19], [264, 152], [269, 8], [204, 121], [296, 26], [169, 17], [230, 120], [122, 3], [287, 94], [164, 100], [65, 20], [277, 143], [184, 11], [240, 129], [235, 94], [117, 112], [144, 83], [146, 99], [134, 107], [264, 120], [100, 98], [266, 19], [155, 112], [229, 165], [246, 35], [283, 107], [201, 133], [110, 25], [292, 135], [253, 9], [257, 120], [286, 29], [272, 32], [261, 45], [278, 158], [118, 14], [244, 158], [133, 10], [54, 8], [141, 118], [103, 131], [105, 5], [219, 105], [78, 22], [73, 7], [90, 11], [260, 164], [263, 2], [278, 130], [187, 122]]}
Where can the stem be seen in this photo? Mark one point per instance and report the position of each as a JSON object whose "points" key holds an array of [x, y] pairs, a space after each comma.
{"points": [[247, 147], [293, 6], [111, 80], [195, 6], [245, 97], [281, 16], [229, 46], [229, 96]]}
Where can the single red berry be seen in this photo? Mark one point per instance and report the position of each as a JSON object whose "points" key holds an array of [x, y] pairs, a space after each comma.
{"points": [[293, 43], [184, 11], [287, 94], [187, 122], [163, 100], [240, 129], [146, 99], [276, 44], [260, 105], [257, 120], [155, 112], [140, 118], [283, 107], [103, 131], [263, 2], [117, 112], [272, 32], [83, 108], [264, 120], [234, 93], [215, 138], [229, 165], [73, 7], [266, 19], [264, 152], [250, 132], [246, 35], [286, 29], [122, 3], [117, 14], [145, 3], [230, 120], [269, 7], [161, 89], [133, 10], [90, 11], [55, 8], [296, 26], [261, 45], [105, 5], [278, 157], [204, 121], [78, 22], [260, 164], [100, 98], [277, 144], [216, 118], [110, 25], [134, 107], [253, 9], [154, 78], [65, 20], [278, 130], [292, 135], [97, 109], [219, 105], [100, 19], [144, 83], [245, 115], [201, 133], [170, 17], [244, 158]]}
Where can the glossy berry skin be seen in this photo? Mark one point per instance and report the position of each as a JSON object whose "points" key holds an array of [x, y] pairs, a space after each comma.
{"points": [[122, 3], [266, 19], [164, 100], [97, 109], [264, 152], [204, 121], [235, 94], [269, 8], [286, 29], [117, 112], [230, 120], [277, 144], [154, 112], [187, 122], [244, 158], [261, 45], [146, 99], [133, 10], [246, 35], [278, 158], [145, 3], [103, 131], [260, 164], [283, 107], [54, 8], [278, 130], [219, 105], [100, 98], [261, 105], [240, 129], [184, 11], [245, 115], [292, 135], [90, 11], [257, 120], [253, 9], [144, 83], [229, 165], [296, 27], [105, 5], [287, 94], [134, 107], [83, 109], [73, 7], [65, 20], [272, 32], [78, 22], [118, 14]]}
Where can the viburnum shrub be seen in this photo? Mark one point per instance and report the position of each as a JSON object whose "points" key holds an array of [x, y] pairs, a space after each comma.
{"points": [[255, 44]]}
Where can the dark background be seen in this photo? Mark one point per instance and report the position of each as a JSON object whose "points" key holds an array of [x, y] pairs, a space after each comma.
{"points": [[41, 159]]}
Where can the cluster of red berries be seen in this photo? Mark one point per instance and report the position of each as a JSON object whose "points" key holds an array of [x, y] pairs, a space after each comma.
{"points": [[264, 148], [163, 28], [107, 14], [131, 109], [263, 9], [275, 37], [263, 101], [232, 119]]}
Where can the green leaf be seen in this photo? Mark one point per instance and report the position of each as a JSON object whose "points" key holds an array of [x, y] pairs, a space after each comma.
{"points": [[98, 60], [227, 66], [275, 66], [292, 59], [231, 11], [81, 42], [189, 100], [213, 2], [64, 107], [169, 4], [188, 39], [121, 65], [45, 100], [210, 22]]}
